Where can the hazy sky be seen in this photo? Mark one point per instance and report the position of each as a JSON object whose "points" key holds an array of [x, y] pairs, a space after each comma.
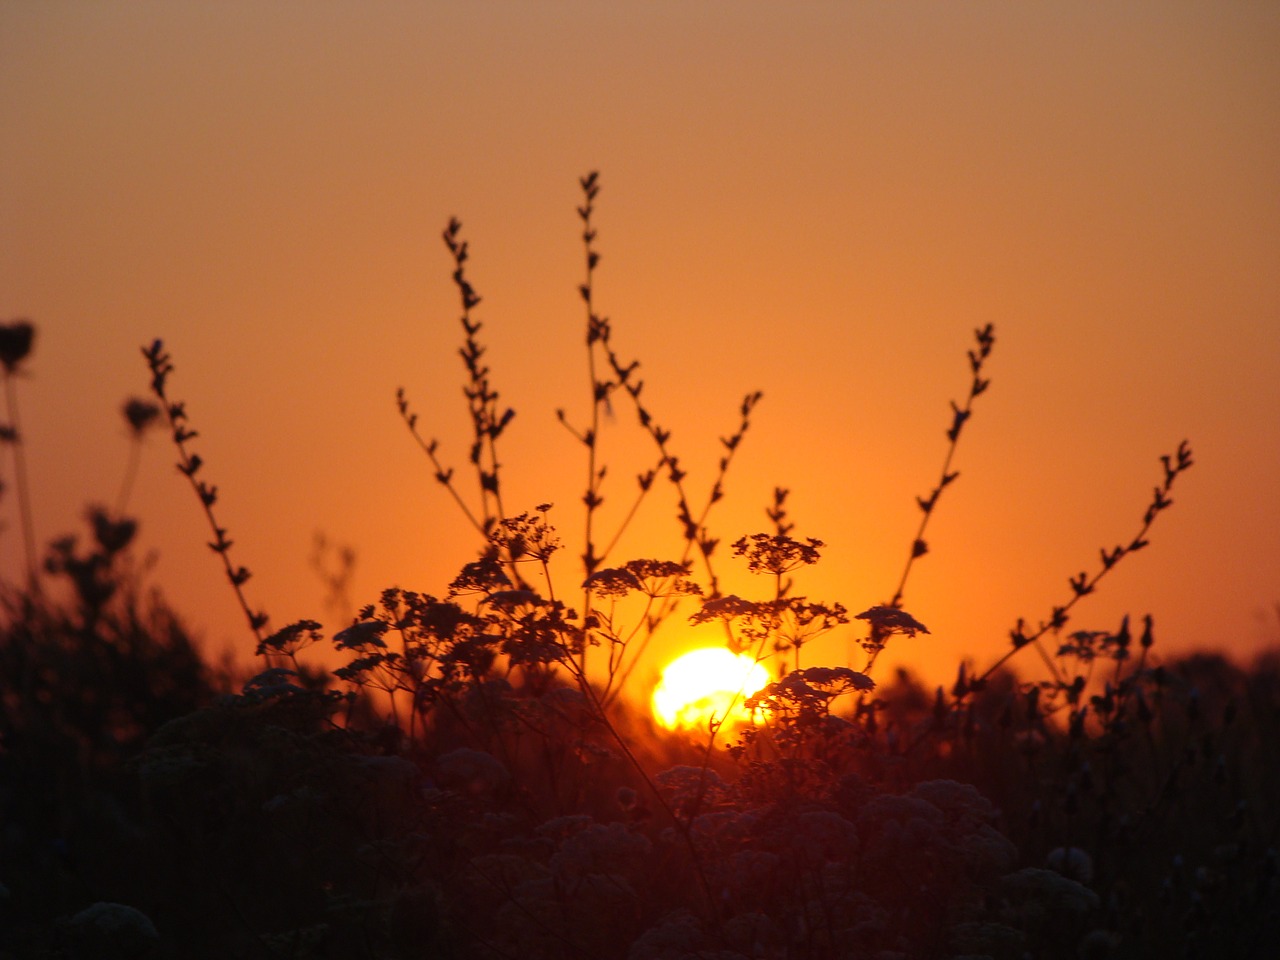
{"points": [[819, 201]]}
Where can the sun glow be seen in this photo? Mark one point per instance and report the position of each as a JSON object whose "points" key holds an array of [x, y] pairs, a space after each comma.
{"points": [[705, 685]]}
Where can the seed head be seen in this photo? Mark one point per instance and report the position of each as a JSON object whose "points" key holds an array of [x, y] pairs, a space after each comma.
{"points": [[16, 338]]}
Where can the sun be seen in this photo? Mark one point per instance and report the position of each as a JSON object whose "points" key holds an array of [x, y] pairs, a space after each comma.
{"points": [[705, 685]]}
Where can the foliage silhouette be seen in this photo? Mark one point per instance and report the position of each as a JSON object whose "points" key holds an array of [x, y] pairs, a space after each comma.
{"points": [[469, 783]]}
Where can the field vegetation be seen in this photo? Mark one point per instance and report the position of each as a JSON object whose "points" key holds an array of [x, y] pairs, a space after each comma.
{"points": [[474, 779]]}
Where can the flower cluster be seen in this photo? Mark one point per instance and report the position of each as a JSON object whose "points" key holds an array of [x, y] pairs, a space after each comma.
{"points": [[656, 579], [805, 696], [776, 553]]}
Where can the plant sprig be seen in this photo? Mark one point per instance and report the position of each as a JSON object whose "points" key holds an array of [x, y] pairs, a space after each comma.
{"points": [[1083, 584], [488, 419], [190, 464], [985, 337], [487, 423], [625, 377], [597, 330]]}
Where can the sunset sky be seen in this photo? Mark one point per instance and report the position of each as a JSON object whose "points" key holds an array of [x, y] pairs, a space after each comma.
{"points": [[819, 201]]}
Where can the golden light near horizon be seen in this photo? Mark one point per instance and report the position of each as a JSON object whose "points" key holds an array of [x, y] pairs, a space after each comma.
{"points": [[707, 686], [250, 184]]}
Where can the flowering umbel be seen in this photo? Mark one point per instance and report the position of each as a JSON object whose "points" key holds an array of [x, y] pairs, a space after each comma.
{"points": [[16, 338], [776, 553], [140, 415], [885, 621]]}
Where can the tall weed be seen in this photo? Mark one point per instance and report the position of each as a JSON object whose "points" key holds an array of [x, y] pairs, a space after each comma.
{"points": [[472, 780]]}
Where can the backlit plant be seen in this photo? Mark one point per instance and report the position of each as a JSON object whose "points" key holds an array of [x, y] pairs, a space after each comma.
{"points": [[474, 781]]}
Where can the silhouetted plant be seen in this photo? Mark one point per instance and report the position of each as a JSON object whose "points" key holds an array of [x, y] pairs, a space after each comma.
{"points": [[16, 340], [189, 465], [90, 666], [985, 337], [1083, 584], [462, 786], [608, 376]]}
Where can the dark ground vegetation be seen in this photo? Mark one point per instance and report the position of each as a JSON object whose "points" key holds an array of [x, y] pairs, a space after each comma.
{"points": [[148, 814], [470, 783]]}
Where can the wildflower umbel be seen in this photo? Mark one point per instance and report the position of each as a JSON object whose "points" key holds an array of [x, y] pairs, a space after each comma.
{"points": [[777, 553], [140, 415], [801, 701], [885, 621], [726, 608], [663, 578], [16, 339]]}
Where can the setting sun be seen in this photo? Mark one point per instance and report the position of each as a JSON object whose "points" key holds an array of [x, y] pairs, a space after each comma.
{"points": [[410, 413], [705, 685]]}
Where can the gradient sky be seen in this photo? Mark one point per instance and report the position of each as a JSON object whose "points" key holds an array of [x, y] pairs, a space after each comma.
{"points": [[819, 201]]}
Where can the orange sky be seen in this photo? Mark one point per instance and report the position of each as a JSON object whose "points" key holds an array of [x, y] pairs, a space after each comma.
{"points": [[819, 202]]}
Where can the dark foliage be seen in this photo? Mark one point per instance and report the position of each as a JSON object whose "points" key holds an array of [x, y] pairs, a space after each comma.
{"points": [[85, 680], [464, 786]]}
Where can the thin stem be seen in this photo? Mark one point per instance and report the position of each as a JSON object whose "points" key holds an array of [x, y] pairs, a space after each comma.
{"points": [[985, 341], [24, 488], [682, 827], [599, 396], [1082, 584], [130, 474], [646, 484], [443, 476], [189, 464], [618, 673]]}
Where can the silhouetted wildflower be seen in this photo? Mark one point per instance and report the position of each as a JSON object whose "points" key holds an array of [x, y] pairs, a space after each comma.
{"points": [[16, 339], [888, 620], [612, 583], [140, 415], [776, 553], [480, 576], [662, 578], [727, 608]]}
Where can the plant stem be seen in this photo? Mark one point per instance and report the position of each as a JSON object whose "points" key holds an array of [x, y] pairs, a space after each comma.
{"points": [[985, 337], [130, 474], [24, 489]]}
